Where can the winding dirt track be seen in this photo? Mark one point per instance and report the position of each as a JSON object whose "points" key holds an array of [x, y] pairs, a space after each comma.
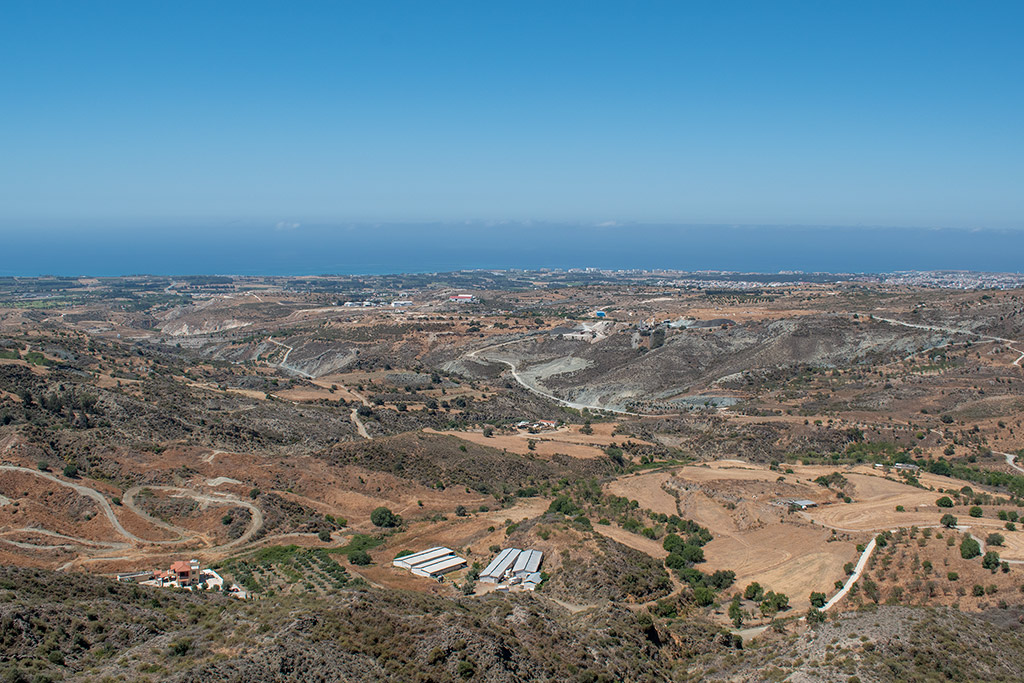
{"points": [[284, 361], [360, 427], [255, 524], [937, 328], [551, 397], [1011, 460], [101, 550], [100, 499]]}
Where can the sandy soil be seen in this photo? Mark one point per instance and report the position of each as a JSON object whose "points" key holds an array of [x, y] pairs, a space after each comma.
{"points": [[646, 489], [642, 543], [546, 445], [764, 543]]}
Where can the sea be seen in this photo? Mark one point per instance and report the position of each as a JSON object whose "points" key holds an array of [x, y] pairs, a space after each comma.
{"points": [[363, 249]]}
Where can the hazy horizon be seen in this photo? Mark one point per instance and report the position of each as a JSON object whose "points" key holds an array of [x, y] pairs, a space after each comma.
{"points": [[365, 249]]}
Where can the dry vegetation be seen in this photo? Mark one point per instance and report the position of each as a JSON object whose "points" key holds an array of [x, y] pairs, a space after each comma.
{"points": [[255, 424]]}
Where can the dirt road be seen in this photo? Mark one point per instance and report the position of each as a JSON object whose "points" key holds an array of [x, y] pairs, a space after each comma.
{"points": [[100, 499], [857, 571], [560, 401], [1011, 460], [255, 524], [936, 328], [284, 361], [360, 427]]}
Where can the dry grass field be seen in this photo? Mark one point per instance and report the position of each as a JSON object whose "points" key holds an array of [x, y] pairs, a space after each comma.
{"points": [[792, 552]]}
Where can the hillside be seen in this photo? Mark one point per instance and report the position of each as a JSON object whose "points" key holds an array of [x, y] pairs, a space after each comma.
{"points": [[75, 627]]}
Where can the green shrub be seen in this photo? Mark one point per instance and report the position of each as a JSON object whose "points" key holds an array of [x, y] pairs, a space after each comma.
{"points": [[990, 561], [703, 596], [969, 548], [383, 517], [359, 557], [563, 505]]}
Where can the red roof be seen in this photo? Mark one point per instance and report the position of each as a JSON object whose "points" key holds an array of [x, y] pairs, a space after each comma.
{"points": [[181, 567]]}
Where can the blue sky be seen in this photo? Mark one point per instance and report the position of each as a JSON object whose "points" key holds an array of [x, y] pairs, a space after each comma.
{"points": [[137, 114]]}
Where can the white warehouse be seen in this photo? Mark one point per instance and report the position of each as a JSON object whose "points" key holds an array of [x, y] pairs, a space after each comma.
{"points": [[432, 562], [527, 563], [513, 566], [446, 564], [496, 570]]}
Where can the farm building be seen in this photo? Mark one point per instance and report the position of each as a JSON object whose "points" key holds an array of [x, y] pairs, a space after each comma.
{"points": [[495, 571], [531, 581], [448, 563], [513, 567], [527, 563], [422, 557], [432, 562], [462, 298]]}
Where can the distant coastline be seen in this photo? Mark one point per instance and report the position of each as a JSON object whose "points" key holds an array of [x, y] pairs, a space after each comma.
{"points": [[424, 248]]}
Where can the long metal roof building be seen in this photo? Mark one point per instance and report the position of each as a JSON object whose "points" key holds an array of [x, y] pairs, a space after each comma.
{"points": [[527, 563], [494, 571], [439, 567], [422, 557]]}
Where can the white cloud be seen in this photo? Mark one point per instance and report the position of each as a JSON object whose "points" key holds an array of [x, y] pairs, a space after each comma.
{"points": [[286, 225]]}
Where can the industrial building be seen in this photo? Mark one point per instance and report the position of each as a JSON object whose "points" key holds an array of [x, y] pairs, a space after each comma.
{"points": [[432, 562], [527, 563], [496, 570], [448, 563], [514, 567]]}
